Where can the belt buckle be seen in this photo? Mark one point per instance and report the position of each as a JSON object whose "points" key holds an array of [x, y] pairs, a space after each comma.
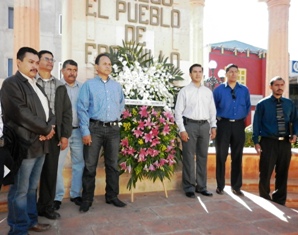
{"points": [[232, 120], [281, 138]]}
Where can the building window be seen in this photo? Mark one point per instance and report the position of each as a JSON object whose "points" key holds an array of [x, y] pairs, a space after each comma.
{"points": [[59, 72], [242, 76], [9, 67], [10, 17], [60, 24]]}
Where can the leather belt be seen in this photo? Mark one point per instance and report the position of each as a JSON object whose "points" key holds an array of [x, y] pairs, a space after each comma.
{"points": [[280, 138], [230, 120], [194, 121], [100, 123], [75, 127]]}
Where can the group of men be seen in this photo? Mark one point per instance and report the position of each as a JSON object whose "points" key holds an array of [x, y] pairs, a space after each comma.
{"points": [[48, 117], [220, 115]]}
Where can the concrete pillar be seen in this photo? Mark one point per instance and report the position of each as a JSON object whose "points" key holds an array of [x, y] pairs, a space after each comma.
{"points": [[278, 54], [196, 31], [26, 25]]}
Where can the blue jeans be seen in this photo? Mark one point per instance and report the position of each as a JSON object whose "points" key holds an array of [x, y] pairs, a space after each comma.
{"points": [[22, 210], [108, 138], [75, 145]]}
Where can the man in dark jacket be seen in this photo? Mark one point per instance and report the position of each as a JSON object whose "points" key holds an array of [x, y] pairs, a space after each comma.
{"points": [[26, 110], [61, 107]]}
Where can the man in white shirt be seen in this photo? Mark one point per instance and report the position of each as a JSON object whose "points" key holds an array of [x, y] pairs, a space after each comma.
{"points": [[195, 116]]}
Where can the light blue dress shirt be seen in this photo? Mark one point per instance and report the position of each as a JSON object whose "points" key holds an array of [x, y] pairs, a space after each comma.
{"points": [[99, 100], [73, 93]]}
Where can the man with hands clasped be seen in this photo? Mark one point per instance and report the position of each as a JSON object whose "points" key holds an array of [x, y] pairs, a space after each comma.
{"points": [[275, 122]]}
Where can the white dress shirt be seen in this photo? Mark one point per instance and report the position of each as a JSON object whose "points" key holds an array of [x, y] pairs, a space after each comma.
{"points": [[195, 103]]}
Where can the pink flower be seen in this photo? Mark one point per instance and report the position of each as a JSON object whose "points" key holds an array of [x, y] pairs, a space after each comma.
{"points": [[162, 120], [143, 153], [141, 125], [137, 133], [166, 130], [153, 112], [124, 142], [123, 165], [169, 148], [155, 132], [152, 152], [151, 168], [168, 115], [154, 142], [126, 114], [163, 161], [148, 123], [148, 137], [156, 164], [129, 168], [130, 151], [143, 111]]}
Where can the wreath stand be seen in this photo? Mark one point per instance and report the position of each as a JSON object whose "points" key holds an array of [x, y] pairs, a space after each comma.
{"points": [[132, 193]]}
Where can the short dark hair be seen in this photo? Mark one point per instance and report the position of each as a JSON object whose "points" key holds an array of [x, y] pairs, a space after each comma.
{"points": [[276, 78], [231, 66], [71, 62], [195, 65], [101, 55], [44, 52], [23, 50]]}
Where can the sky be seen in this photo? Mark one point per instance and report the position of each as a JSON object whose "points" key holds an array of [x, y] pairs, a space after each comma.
{"points": [[245, 21]]}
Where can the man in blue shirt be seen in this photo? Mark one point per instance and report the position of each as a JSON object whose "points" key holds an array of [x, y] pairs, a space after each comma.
{"points": [[100, 105], [232, 101], [277, 131]]}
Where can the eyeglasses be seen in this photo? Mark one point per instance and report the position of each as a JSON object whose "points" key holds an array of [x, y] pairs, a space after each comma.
{"points": [[49, 59], [233, 94]]}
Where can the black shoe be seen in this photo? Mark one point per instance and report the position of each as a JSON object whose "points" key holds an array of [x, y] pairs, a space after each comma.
{"points": [[190, 194], [56, 205], [50, 214], [76, 200], [84, 207], [116, 202], [238, 192], [205, 193], [219, 191]]}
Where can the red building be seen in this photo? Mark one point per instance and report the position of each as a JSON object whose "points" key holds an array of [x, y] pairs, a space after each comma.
{"points": [[252, 67]]}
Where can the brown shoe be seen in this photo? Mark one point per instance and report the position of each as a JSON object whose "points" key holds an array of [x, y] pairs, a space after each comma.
{"points": [[40, 227]]}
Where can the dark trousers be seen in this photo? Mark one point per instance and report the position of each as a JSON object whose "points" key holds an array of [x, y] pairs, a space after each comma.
{"points": [[229, 134], [275, 155], [48, 177], [107, 137]]}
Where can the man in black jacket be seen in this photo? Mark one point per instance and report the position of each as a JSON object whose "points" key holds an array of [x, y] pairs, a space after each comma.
{"points": [[61, 107], [26, 110]]}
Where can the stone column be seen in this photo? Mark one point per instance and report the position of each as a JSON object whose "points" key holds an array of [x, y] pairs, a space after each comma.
{"points": [[26, 25], [277, 54], [196, 31]]}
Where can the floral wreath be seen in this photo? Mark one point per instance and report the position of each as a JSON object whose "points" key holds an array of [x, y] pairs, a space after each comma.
{"points": [[149, 146]]}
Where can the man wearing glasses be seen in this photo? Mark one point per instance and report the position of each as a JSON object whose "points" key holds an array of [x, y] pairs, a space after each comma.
{"points": [[61, 107], [232, 101]]}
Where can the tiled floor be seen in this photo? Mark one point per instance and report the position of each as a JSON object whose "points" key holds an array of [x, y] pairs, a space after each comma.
{"points": [[152, 213]]}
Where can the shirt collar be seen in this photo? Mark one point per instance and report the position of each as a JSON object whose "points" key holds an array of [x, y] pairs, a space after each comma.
{"points": [[66, 84], [103, 80], [30, 80], [45, 80], [273, 98]]}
